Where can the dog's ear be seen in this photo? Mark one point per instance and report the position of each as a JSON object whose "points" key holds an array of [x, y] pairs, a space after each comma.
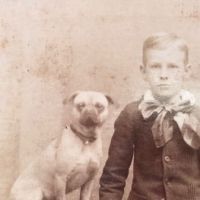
{"points": [[71, 98], [110, 99]]}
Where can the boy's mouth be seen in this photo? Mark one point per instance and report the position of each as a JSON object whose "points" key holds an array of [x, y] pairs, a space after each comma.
{"points": [[164, 86]]}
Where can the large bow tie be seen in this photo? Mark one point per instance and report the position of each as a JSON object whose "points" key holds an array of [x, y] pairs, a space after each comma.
{"points": [[180, 111]]}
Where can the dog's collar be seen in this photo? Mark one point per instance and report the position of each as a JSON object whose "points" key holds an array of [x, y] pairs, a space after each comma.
{"points": [[85, 139]]}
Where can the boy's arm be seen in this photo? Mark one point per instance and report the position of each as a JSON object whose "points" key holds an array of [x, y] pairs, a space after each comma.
{"points": [[120, 155]]}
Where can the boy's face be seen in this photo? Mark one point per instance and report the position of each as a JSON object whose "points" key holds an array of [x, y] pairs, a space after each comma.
{"points": [[165, 70]]}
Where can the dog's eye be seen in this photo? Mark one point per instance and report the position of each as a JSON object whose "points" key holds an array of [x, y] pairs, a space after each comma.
{"points": [[99, 106], [80, 106]]}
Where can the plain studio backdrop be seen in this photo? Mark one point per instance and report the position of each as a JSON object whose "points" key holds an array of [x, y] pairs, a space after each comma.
{"points": [[49, 49]]}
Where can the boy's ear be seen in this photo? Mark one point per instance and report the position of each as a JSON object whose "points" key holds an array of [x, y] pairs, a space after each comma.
{"points": [[187, 71], [143, 71]]}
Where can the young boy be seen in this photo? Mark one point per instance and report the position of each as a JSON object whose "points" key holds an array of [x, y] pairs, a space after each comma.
{"points": [[162, 131]]}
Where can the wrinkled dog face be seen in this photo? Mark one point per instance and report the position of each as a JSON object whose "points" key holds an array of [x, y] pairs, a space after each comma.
{"points": [[90, 108]]}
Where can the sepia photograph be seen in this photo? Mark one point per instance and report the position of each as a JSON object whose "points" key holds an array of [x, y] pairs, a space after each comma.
{"points": [[100, 100]]}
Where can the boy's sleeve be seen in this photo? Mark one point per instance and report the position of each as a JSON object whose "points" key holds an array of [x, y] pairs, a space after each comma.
{"points": [[115, 172]]}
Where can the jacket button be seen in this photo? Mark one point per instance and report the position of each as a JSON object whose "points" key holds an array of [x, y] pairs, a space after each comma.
{"points": [[167, 158], [166, 181]]}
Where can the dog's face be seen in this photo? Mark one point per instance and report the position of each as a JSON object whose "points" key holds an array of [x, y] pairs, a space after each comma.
{"points": [[90, 108]]}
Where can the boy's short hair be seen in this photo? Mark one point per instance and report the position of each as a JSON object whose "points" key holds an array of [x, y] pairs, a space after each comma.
{"points": [[165, 40]]}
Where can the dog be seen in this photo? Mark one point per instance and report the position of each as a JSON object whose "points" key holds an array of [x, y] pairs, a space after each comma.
{"points": [[72, 160]]}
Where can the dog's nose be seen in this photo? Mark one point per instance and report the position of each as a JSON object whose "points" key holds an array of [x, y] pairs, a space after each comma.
{"points": [[89, 122], [89, 119]]}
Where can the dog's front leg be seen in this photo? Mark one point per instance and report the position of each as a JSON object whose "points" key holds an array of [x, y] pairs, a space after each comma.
{"points": [[86, 190], [60, 186]]}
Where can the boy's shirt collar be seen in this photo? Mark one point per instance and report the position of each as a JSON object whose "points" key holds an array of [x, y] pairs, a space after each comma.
{"points": [[179, 108], [183, 95]]}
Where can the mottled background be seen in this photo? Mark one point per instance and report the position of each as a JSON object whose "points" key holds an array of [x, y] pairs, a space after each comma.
{"points": [[50, 48]]}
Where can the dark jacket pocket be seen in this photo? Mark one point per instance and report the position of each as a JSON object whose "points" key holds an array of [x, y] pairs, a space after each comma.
{"points": [[135, 196]]}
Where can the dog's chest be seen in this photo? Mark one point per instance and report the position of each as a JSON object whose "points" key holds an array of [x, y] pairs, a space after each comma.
{"points": [[78, 161], [84, 169]]}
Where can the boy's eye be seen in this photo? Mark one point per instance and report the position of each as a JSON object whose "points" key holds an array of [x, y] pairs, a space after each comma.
{"points": [[173, 66], [155, 66]]}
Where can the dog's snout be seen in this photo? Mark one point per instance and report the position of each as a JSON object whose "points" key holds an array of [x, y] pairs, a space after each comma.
{"points": [[89, 122], [89, 118]]}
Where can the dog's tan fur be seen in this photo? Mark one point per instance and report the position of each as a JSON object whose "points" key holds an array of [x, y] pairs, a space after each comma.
{"points": [[70, 161]]}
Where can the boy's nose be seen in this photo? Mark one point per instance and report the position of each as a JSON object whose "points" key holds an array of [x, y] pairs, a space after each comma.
{"points": [[163, 73]]}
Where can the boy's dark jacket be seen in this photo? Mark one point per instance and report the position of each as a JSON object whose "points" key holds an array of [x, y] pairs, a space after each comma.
{"points": [[171, 172]]}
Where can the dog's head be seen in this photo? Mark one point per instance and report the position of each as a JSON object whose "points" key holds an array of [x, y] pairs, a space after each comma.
{"points": [[90, 108]]}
